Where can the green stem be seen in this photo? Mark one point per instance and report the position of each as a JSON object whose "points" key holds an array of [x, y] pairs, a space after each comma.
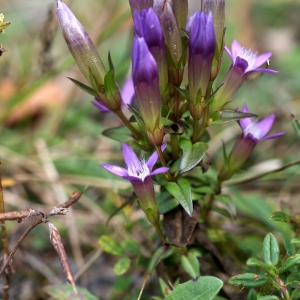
{"points": [[168, 175], [174, 146], [158, 229], [120, 114], [195, 131]]}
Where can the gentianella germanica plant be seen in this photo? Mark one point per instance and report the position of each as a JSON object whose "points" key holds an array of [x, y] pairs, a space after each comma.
{"points": [[173, 99]]}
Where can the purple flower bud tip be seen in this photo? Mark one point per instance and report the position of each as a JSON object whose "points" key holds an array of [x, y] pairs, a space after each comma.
{"points": [[247, 60], [256, 131]]}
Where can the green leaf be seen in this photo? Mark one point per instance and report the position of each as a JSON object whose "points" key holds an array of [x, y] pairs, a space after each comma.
{"points": [[280, 217], [111, 88], [229, 115], [293, 278], [121, 134], [248, 280], [131, 246], [182, 192], [192, 154], [295, 240], [270, 249], [191, 265], [269, 297], [252, 261], [295, 294], [290, 262], [252, 295], [201, 288], [66, 292], [122, 266], [84, 87], [228, 204], [110, 246], [158, 255], [166, 202]]}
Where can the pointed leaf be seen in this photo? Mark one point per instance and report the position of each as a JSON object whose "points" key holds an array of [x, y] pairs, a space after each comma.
{"points": [[84, 87], [293, 278], [182, 192], [228, 204], [192, 154], [252, 261], [191, 264], [122, 266], [290, 262], [248, 280], [271, 249], [228, 115], [296, 125], [200, 288]]}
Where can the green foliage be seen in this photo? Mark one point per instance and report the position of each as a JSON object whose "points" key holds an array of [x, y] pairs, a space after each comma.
{"points": [[200, 288]]}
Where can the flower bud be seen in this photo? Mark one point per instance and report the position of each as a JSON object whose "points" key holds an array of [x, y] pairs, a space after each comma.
{"points": [[147, 25], [169, 25], [80, 44], [202, 45], [146, 84]]}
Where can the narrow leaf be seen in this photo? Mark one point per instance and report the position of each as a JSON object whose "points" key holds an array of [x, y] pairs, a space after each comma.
{"points": [[200, 288], [280, 217], [228, 115], [271, 249], [252, 261], [248, 280], [290, 262], [84, 87]]}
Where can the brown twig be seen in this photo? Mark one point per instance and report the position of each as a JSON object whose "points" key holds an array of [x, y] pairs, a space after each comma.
{"points": [[20, 214], [11, 255]]}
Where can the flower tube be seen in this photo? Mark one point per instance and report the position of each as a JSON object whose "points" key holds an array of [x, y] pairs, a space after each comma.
{"points": [[244, 62], [252, 133]]}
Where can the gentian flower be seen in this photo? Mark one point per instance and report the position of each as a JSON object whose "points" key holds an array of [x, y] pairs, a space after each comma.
{"points": [[80, 44], [139, 174], [147, 25], [146, 85], [252, 133], [127, 97], [202, 46], [244, 62]]}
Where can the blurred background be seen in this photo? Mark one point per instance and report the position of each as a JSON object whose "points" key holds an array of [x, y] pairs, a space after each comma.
{"points": [[51, 142]]}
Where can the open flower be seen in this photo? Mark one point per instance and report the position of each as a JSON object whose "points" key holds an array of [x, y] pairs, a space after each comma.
{"points": [[244, 62], [253, 132], [127, 97], [139, 174]]}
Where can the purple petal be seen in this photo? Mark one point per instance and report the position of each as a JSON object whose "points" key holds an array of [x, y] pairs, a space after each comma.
{"points": [[127, 93], [261, 59], [263, 71], [265, 125], [130, 157], [115, 170], [132, 178], [246, 121], [235, 48], [229, 53], [159, 171], [101, 106], [153, 158], [273, 136]]}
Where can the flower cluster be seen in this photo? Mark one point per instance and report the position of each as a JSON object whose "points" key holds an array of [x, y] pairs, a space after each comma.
{"points": [[175, 61]]}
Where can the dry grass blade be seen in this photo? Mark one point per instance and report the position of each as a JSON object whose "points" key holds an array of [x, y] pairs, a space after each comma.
{"points": [[55, 239]]}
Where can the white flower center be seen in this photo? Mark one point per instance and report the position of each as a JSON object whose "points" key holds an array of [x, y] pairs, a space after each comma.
{"points": [[249, 56], [254, 129], [139, 170]]}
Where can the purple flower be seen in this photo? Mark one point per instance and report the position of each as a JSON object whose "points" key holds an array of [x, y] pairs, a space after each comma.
{"points": [[127, 97], [146, 85], [244, 62], [147, 26], [202, 46], [139, 173], [80, 44], [252, 133]]}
